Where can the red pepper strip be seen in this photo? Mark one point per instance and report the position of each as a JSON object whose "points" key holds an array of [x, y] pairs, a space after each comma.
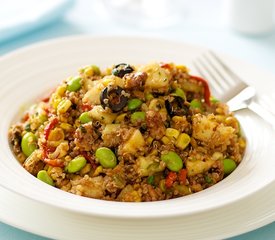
{"points": [[49, 127], [182, 176], [51, 162], [86, 107], [54, 162], [165, 65], [90, 158], [26, 117], [206, 89], [170, 179], [45, 99]]}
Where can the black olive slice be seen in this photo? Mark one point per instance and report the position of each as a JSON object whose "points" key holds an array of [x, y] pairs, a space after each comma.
{"points": [[175, 107], [114, 98], [121, 69]]}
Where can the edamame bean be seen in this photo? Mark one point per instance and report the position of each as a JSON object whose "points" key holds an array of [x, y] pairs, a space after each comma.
{"points": [[213, 100], [150, 180], [172, 160], [180, 93], [85, 118], [44, 177], [195, 103], [137, 116], [229, 165], [91, 70], [149, 96], [28, 143], [76, 164], [106, 157], [74, 84], [134, 103]]}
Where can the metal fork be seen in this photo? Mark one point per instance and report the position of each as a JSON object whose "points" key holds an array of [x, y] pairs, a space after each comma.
{"points": [[230, 88]]}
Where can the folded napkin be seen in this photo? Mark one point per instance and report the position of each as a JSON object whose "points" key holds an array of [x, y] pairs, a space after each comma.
{"points": [[17, 17]]}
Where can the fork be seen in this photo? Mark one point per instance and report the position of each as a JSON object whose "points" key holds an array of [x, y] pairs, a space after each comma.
{"points": [[230, 88]]}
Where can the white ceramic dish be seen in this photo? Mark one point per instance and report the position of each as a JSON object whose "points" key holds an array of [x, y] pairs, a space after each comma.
{"points": [[220, 211]]}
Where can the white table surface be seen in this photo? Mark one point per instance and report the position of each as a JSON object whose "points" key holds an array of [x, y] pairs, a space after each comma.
{"points": [[201, 23]]}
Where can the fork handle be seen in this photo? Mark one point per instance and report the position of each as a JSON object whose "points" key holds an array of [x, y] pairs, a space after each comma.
{"points": [[263, 113]]}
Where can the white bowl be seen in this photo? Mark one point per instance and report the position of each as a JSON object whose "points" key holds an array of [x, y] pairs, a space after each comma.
{"points": [[27, 74]]}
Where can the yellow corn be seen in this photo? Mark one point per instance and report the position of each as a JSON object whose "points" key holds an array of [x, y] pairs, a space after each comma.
{"points": [[67, 158], [165, 140], [61, 90], [154, 152], [162, 185], [66, 126], [135, 196], [108, 71], [172, 133], [120, 118], [55, 100], [89, 71], [183, 140], [242, 143], [220, 118], [217, 156], [183, 68], [98, 170], [63, 106], [56, 134], [49, 168], [87, 168], [149, 140], [56, 137], [106, 81]]}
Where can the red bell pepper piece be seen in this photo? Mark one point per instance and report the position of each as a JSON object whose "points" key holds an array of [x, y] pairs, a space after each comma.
{"points": [[86, 107], [207, 93], [165, 65], [26, 117], [54, 162], [170, 179], [46, 149], [90, 158], [49, 127], [182, 176], [45, 99]]}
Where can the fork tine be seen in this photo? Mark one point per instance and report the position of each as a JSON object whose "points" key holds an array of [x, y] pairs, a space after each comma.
{"points": [[220, 76], [203, 71], [226, 84], [231, 75]]}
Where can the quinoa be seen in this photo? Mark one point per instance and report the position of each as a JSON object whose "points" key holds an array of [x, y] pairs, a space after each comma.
{"points": [[129, 133]]}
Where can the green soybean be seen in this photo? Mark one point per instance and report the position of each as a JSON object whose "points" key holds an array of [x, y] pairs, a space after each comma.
{"points": [[172, 160], [149, 96], [137, 116], [96, 69], [27, 127], [214, 100], [28, 143], [85, 118], [43, 118], [150, 180], [44, 177], [195, 103], [180, 93], [229, 165], [76, 164], [134, 103], [74, 84], [106, 157]]}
